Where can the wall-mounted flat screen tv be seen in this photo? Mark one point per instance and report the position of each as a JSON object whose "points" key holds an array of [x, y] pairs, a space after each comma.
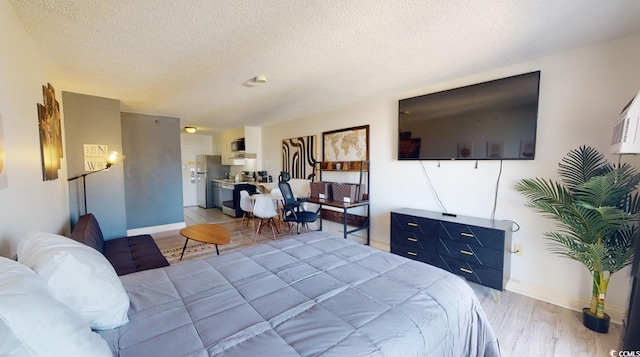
{"points": [[494, 120]]}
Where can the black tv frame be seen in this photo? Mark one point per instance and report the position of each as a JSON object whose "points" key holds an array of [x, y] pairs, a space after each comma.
{"points": [[500, 86]]}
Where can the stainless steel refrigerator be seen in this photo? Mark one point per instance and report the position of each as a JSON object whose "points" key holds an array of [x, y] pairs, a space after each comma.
{"points": [[208, 167]]}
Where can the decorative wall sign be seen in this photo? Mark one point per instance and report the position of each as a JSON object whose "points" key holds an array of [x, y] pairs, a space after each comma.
{"points": [[299, 156], [351, 144], [4, 182], [50, 133], [95, 157]]}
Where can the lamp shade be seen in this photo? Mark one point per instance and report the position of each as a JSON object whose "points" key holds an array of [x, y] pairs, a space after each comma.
{"points": [[190, 129], [114, 158]]}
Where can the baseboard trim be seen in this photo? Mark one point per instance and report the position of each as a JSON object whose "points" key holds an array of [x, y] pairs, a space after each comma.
{"points": [[561, 299], [156, 229]]}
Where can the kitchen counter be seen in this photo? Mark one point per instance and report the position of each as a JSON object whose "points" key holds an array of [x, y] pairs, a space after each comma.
{"points": [[226, 181], [262, 186], [238, 182], [300, 187]]}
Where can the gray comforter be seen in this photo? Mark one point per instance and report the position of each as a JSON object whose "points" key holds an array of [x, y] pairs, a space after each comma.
{"points": [[311, 295]]}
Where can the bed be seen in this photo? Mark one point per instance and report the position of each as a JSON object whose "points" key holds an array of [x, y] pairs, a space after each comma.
{"points": [[310, 295]]}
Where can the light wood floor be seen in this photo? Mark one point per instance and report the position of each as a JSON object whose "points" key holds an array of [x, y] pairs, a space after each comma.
{"points": [[529, 327], [524, 326]]}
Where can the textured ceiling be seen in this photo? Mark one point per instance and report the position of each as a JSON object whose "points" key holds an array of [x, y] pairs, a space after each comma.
{"points": [[189, 58]]}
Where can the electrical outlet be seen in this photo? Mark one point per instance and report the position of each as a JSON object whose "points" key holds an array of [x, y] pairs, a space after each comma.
{"points": [[518, 249]]}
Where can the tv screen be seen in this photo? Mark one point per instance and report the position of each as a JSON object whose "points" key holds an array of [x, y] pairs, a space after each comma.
{"points": [[494, 120]]}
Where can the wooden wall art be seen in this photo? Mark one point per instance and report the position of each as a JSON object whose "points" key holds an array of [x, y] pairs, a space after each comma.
{"points": [[299, 156], [50, 133]]}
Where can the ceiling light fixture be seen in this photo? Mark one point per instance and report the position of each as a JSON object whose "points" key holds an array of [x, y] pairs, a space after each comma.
{"points": [[190, 129], [250, 83]]}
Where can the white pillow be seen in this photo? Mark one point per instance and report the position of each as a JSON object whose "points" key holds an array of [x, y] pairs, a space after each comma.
{"points": [[79, 276], [33, 323]]}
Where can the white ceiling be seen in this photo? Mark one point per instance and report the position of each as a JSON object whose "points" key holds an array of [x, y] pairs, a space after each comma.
{"points": [[189, 58]]}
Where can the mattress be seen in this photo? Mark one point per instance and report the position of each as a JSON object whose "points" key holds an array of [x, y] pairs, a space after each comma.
{"points": [[310, 295]]}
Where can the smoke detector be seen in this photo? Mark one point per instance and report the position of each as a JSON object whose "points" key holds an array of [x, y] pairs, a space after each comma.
{"points": [[255, 81]]}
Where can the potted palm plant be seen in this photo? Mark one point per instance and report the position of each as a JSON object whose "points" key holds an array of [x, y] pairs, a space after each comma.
{"points": [[595, 207]]}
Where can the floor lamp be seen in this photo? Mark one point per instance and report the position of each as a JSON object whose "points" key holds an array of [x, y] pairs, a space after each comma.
{"points": [[112, 159]]}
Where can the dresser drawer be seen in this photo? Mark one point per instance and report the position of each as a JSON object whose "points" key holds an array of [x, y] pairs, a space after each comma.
{"points": [[418, 225], [472, 247], [471, 253], [472, 272], [473, 235], [412, 240], [415, 254]]}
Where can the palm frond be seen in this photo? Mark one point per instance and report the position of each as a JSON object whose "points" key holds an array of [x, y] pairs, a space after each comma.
{"points": [[632, 205], [580, 165], [616, 259], [595, 209], [602, 191], [548, 191]]}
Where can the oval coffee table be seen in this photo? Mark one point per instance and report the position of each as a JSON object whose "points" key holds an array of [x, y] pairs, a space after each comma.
{"points": [[206, 233]]}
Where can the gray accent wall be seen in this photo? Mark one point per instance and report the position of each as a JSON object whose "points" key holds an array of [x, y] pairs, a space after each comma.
{"points": [[95, 120], [153, 175]]}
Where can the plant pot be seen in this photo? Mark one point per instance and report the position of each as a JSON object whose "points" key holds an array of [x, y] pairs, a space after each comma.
{"points": [[594, 323]]}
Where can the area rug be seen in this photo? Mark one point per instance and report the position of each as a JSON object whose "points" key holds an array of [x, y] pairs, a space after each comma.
{"points": [[196, 250], [171, 245]]}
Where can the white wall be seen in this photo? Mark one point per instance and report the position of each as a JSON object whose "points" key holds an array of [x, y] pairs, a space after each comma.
{"points": [[29, 203], [581, 95]]}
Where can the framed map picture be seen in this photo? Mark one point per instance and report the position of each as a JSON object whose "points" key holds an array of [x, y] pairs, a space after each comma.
{"points": [[351, 144]]}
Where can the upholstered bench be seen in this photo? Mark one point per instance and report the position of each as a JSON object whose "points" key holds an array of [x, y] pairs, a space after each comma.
{"points": [[126, 254]]}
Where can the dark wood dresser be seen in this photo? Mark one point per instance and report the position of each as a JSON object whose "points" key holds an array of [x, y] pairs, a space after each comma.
{"points": [[475, 248]]}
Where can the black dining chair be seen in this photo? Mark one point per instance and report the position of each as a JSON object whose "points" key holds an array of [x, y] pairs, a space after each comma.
{"points": [[284, 176], [293, 210]]}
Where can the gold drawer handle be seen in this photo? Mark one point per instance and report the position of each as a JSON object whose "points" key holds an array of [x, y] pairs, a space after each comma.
{"points": [[469, 235], [466, 270], [412, 253], [411, 224], [466, 252], [412, 239]]}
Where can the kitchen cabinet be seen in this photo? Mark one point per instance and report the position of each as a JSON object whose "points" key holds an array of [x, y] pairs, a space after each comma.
{"points": [[252, 139], [474, 248], [232, 158], [253, 144], [217, 202]]}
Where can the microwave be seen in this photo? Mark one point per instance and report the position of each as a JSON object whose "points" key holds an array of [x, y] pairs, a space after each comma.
{"points": [[237, 145]]}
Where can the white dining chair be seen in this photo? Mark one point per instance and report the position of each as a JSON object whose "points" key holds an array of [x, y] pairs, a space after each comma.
{"points": [[264, 210], [246, 205], [276, 195]]}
